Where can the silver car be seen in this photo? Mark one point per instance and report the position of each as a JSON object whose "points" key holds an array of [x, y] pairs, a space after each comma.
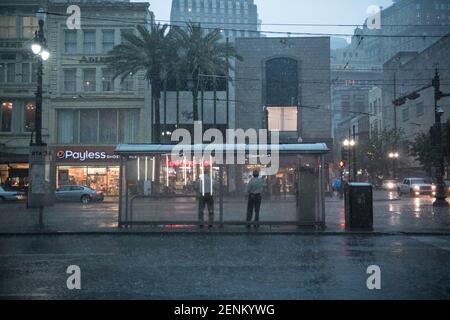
{"points": [[9, 195], [81, 194]]}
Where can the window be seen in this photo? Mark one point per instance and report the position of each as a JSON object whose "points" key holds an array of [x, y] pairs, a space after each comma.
{"points": [[88, 126], [67, 126], [29, 26], [70, 41], [70, 80], [124, 32], [26, 72], [107, 81], [282, 119], [34, 72], [420, 110], [11, 72], [89, 41], [108, 126], [2, 72], [8, 27], [405, 114], [6, 116], [29, 115], [127, 84], [93, 126], [128, 126], [282, 82], [89, 80], [108, 40]]}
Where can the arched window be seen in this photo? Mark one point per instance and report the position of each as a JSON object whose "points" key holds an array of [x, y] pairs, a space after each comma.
{"points": [[282, 82]]}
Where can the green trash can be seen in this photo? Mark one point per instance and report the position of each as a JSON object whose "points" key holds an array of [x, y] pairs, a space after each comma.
{"points": [[358, 206]]}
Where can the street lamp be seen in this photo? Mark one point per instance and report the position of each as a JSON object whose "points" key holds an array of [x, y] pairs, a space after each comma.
{"points": [[40, 50], [393, 156], [350, 145]]}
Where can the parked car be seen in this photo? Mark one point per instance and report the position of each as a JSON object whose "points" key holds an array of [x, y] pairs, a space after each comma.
{"points": [[9, 195], [416, 187], [78, 193], [390, 185]]}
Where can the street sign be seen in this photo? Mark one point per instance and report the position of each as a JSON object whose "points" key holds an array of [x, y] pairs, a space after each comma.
{"points": [[41, 191]]}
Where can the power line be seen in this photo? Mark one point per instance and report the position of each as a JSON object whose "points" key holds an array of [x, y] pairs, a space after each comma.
{"points": [[145, 21]]}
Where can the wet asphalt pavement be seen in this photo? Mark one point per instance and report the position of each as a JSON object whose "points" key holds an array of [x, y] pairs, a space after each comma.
{"points": [[219, 266]]}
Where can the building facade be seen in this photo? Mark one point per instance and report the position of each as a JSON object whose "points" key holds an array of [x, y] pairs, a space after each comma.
{"points": [[18, 72], [86, 113], [411, 71], [237, 18], [407, 25]]}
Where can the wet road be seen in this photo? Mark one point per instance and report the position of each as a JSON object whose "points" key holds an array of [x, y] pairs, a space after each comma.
{"points": [[406, 214], [212, 266]]}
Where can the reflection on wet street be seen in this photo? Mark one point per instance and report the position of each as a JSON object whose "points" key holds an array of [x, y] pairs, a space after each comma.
{"points": [[405, 214]]}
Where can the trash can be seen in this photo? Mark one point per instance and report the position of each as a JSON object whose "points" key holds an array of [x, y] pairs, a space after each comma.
{"points": [[358, 206]]}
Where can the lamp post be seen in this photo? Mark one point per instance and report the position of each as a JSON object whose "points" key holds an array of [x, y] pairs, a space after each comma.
{"points": [[40, 50], [40, 192], [350, 145], [394, 156]]}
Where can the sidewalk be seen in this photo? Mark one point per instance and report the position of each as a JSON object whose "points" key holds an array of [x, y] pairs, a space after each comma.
{"points": [[391, 215]]}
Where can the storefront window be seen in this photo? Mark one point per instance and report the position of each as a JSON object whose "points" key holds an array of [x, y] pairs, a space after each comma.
{"points": [[6, 116], [29, 115], [104, 178]]}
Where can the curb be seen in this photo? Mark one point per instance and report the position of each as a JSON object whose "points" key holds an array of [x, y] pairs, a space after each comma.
{"points": [[227, 233]]}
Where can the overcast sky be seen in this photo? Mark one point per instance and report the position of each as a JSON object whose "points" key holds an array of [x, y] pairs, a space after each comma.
{"points": [[298, 11]]}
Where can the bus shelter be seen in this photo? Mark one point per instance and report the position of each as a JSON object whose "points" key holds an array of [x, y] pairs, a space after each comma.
{"points": [[155, 189]]}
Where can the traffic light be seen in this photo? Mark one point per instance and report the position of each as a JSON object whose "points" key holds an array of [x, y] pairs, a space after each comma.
{"points": [[342, 164]]}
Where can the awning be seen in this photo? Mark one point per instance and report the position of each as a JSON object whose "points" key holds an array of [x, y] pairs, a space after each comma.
{"points": [[145, 149]]}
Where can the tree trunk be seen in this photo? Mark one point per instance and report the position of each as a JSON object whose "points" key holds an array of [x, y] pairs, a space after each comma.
{"points": [[156, 96]]}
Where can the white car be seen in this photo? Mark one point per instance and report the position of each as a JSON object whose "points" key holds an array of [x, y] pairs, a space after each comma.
{"points": [[8, 195], [416, 187]]}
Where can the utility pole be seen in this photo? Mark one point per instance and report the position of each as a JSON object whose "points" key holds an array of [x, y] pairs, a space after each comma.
{"points": [[227, 88], [394, 160], [439, 159]]}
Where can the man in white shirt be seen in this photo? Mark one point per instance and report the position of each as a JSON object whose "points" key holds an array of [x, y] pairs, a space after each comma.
{"points": [[254, 190], [203, 185]]}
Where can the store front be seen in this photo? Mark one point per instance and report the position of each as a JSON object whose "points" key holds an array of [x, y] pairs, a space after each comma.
{"points": [[14, 171], [94, 167]]}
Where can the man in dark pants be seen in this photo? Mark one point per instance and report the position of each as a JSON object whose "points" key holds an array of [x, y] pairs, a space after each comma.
{"points": [[254, 189], [204, 188]]}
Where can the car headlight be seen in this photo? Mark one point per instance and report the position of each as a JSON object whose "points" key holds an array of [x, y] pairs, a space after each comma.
{"points": [[416, 188], [390, 185], [433, 187]]}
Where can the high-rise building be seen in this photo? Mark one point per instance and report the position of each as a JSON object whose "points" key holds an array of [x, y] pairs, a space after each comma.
{"points": [[237, 18]]}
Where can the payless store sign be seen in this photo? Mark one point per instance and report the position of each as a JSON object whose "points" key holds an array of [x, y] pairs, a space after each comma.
{"points": [[86, 155]]}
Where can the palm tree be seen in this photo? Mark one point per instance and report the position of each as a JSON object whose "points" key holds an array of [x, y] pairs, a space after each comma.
{"points": [[202, 53], [147, 51]]}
